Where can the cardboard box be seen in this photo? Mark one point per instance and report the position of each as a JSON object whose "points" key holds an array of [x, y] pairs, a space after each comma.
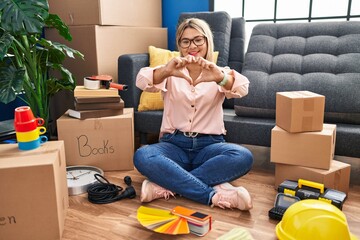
{"points": [[34, 193], [103, 45], [107, 143], [300, 111], [308, 149], [337, 177], [142, 13]]}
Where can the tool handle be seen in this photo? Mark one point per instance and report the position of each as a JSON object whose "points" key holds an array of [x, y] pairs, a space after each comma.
{"points": [[316, 185], [118, 86]]}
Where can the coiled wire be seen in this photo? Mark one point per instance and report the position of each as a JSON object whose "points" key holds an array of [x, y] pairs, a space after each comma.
{"points": [[104, 191]]}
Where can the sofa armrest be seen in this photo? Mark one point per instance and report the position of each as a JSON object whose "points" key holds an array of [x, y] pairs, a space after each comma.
{"points": [[128, 67]]}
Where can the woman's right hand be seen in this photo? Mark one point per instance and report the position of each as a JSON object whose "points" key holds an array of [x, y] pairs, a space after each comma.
{"points": [[175, 67]]}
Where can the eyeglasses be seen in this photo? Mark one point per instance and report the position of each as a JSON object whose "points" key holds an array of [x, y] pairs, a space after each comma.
{"points": [[198, 41]]}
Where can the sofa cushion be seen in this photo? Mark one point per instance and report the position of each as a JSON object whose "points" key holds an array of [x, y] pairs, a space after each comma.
{"points": [[153, 100], [319, 57], [159, 56]]}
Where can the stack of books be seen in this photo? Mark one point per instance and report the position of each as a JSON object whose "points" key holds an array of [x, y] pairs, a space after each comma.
{"points": [[96, 103], [179, 220]]}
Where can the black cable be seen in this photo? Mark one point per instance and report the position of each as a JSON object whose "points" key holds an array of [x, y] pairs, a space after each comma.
{"points": [[106, 192]]}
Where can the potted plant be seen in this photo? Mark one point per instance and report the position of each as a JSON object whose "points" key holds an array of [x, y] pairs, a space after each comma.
{"points": [[30, 65]]}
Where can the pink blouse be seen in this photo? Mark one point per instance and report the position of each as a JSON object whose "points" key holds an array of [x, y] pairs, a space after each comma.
{"points": [[192, 108]]}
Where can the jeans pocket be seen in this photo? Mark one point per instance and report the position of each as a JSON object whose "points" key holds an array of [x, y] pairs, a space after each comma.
{"points": [[217, 138], [167, 137]]}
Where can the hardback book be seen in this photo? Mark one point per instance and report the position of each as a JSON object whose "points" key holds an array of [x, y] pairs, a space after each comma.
{"points": [[199, 223], [179, 220], [81, 91], [95, 106], [98, 99], [94, 113]]}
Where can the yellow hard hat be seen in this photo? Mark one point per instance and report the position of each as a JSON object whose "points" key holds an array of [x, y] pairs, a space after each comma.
{"points": [[313, 219]]}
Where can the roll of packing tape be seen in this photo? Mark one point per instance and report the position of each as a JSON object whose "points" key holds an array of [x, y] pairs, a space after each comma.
{"points": [[91, 84]]}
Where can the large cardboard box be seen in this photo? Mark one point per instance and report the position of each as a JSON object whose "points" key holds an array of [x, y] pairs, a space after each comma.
{"points": [[33, 192], [107, 143], [102, 46], [300, 111], [308, 149], [337, 177], [146, 13]]}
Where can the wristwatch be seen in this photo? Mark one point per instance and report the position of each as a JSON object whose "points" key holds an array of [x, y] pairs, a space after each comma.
{"points": [[225, 79], [79, 178]]}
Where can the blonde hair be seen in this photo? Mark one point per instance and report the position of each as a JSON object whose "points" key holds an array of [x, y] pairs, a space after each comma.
{"points": [[203, 27]]}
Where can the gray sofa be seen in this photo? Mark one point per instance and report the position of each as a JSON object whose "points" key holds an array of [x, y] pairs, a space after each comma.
{"points": [[322, 57]]}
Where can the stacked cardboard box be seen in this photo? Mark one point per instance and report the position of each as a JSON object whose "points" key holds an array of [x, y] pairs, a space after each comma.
{"points": [[302, 146], [107, 142], [34, 194], [105, 29]]}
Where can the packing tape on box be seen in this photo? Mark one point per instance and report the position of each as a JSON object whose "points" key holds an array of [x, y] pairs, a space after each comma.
{"points": [[91, 84]]}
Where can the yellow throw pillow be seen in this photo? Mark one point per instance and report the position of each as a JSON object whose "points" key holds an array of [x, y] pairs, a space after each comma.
{"points": [[150, 101], [158, 56]]}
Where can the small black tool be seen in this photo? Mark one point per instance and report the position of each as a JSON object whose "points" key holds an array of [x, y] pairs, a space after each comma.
{"points": [[282, 202]]}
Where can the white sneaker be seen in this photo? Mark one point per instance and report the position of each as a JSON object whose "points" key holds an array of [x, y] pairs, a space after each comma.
{"points": [[232, 197], [151, 191]]}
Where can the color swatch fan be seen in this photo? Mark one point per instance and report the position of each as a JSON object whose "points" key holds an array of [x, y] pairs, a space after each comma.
{"points": [[162, 221]]}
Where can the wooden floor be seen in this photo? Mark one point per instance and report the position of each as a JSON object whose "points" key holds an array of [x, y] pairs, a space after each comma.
{"points": [[118, 220]]}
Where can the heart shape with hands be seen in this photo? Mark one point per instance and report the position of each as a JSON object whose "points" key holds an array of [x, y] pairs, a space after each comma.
{"points": [[200, 69]]}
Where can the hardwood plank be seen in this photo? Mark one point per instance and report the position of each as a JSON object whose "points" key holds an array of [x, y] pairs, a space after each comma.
{"points": [[87, 221]]}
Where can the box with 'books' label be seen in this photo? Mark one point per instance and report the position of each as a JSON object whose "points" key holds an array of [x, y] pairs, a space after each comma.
{"points": [[106, 142]]}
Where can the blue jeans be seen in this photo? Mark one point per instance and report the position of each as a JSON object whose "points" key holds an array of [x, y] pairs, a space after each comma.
{"points": [[191, 166]]}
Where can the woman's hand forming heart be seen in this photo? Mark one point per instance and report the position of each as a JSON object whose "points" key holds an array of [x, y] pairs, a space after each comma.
{"points": [[176, 66], [209, 71]]}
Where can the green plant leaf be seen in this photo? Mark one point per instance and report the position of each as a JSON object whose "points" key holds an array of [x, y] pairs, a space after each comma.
{"points": [[68, 51], [11, 82], [55, 21], [5, 42], [66, 82], [58, 51], [27, 61], [21, 17]]}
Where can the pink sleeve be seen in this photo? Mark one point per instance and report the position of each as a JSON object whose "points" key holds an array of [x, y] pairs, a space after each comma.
{"points": [[144, 80], [240, 87]]}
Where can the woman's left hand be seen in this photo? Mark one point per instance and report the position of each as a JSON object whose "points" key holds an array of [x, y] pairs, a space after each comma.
{"points": [[210, 72]]}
